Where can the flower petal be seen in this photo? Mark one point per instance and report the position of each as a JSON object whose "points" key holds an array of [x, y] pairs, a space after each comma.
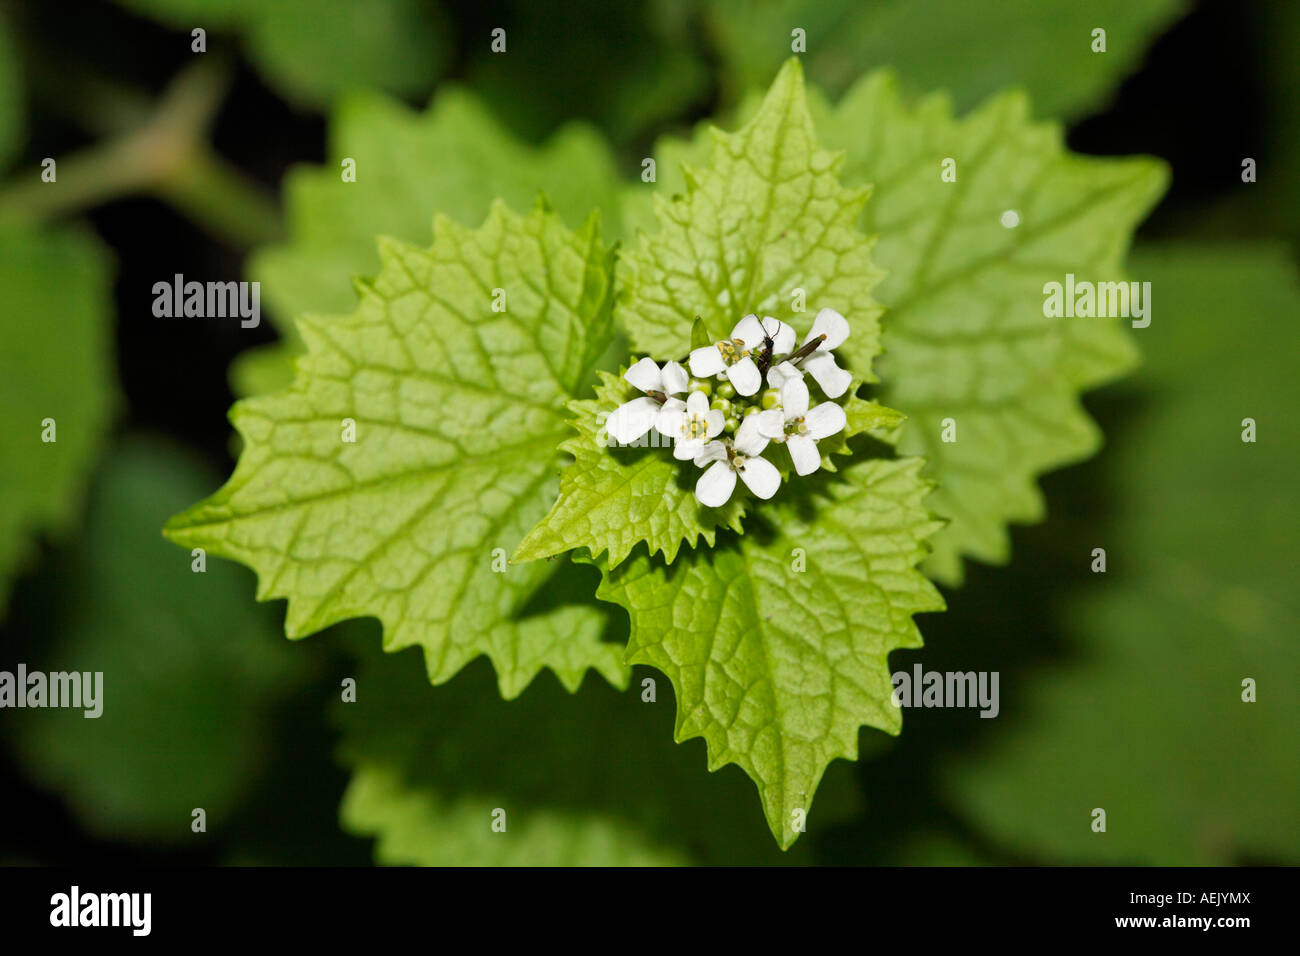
{"points": [[670, 422], [833, 325], [716, 485], [825, 420], [833, 379], [697, 403], [632, 419], [685, 449], [749, 330], [761, 477], [770, 423], [750, 439], [712, 451], [676, 378], [804, 454], [645, 375], [706, 361], [782, 334], [716, 422], [745, 376], [781, 373], [794, 399]]}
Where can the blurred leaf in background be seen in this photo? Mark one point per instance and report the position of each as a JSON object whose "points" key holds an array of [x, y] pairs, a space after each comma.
{"points": [[453, 159], [55, 286], [644, 55], [972, 48], [56, 385], [625, 66], [590, 778], [1146, 719], [11, 95], [191, 665], [1276, 194], [416, 826], [313, 53]]}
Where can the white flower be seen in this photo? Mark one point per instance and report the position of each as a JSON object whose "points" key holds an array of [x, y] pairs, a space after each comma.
{"points": [[781, 373], [690, 426], [733, 356], [821, 363], [741, 458], [633, 419], [800, 428]]}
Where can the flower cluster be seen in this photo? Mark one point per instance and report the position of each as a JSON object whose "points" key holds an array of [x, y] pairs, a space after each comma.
{"points": [[727, 419]]}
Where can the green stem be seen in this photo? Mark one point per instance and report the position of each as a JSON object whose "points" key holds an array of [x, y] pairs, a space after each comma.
{"points": [[84, 179], [166, 155], [222, 200]]}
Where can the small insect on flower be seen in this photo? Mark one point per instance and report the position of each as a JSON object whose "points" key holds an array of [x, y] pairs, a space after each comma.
{"points": [[725, 424], [736, 356]]}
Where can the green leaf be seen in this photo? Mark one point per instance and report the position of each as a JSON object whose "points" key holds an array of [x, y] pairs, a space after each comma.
{"points": [[973, 48], [55, 365], [611, 498], [862, 417], [871, 416], [627, 67], [458, 409], [765, 217], [420, 827], [673, 156], [569, 770], [966, 337], [313, 54], [700, 337], [454, 159], [190, 667], [777, 642], [263, 369], [1145, 718]]}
